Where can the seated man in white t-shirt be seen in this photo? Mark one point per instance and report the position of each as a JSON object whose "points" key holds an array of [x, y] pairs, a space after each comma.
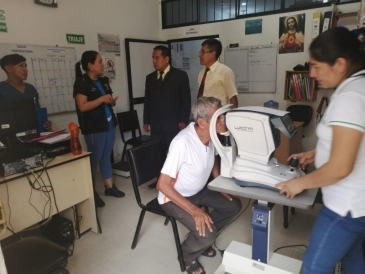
{"points": [[182, 185]]}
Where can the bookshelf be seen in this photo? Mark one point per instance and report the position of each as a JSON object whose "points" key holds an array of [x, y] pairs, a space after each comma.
{"points": [[299, 86]]}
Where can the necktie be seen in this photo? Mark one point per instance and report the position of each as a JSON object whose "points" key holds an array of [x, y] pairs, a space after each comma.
{"points": [[159, 81], [201, 87]]}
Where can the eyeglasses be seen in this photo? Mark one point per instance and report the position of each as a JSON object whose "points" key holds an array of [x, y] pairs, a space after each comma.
{"points": [[202, 51]]}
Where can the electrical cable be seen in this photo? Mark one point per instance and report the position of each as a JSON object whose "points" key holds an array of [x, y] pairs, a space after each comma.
{"points": [[7, 191], [43, 188], [286, 246], [54, 196], [30, 198], [10, 230]]}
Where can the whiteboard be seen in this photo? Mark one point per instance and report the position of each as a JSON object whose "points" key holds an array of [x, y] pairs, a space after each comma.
{"points": [[254, 67], [51, 70]]}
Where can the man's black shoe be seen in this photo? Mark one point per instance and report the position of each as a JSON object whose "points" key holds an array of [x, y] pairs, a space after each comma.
{"points": [[98, 201], [151, 186]]}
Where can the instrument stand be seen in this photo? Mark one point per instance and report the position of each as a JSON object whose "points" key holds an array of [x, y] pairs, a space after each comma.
{"points": [[259, 258]]}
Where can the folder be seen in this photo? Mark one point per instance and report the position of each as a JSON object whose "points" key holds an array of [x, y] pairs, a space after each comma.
{"points": [[42, 118]]}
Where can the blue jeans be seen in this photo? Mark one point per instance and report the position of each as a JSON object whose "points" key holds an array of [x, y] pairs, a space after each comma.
{"points": [[101, 145], [335, 238]]}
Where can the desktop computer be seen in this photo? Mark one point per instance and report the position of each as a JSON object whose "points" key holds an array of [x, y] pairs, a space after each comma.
{"points": [[60, 230]]}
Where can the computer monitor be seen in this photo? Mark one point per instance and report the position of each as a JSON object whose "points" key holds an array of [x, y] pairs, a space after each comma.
{"points": [[18, 121]]}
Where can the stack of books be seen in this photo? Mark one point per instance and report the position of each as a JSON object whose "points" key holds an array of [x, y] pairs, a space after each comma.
{"points": [[300, 87]]}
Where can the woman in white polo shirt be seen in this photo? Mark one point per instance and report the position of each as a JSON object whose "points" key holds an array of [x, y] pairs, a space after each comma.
{"points": [[337, 61]]}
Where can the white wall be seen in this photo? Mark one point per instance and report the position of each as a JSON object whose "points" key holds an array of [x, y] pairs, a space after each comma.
{"points": [[29, 23], [234, 32]]}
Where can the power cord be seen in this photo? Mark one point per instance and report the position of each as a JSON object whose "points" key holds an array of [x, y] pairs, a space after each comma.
{"points": [[41, 186], [9, 222], [286, 246]]}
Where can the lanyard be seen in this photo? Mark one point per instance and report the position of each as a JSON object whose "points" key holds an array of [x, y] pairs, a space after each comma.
{"points": [[321, 109]]}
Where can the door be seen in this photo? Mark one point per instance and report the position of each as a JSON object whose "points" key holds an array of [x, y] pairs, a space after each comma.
{"points": [[139, 65]]}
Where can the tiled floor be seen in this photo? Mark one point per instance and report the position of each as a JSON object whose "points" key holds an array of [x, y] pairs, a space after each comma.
{"points": [[111, 253]]}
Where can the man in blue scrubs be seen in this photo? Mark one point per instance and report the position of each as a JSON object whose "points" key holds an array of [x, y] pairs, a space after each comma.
{"points": [[14, 87]]}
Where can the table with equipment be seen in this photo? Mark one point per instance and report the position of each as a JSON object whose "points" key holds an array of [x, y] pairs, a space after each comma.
{"points": [[249, 169], [67, 180]]}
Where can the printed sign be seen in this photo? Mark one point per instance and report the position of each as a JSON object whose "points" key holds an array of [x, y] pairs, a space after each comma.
{"points": [[253, 26], [75, 38]]}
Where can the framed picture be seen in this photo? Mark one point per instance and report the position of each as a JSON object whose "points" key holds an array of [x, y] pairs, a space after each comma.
{"points": [[291, 33]]}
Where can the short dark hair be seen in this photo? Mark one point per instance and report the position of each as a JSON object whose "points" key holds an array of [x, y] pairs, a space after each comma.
{"points": [[165, 51], [214, 45], [11, 59], [338, 43]]}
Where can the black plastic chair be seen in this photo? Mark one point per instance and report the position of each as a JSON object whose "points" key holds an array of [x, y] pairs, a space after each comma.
{"points": [[301, 113], [35, 255], [146, 162], [128, 122]]}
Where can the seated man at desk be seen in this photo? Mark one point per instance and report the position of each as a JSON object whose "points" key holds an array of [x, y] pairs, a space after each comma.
{"points": [[14, 87], [182, 185]]}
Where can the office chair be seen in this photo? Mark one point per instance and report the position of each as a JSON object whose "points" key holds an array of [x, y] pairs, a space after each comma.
{"points": [[33, 255], [145, 162], [301, 113], [128, 121]]}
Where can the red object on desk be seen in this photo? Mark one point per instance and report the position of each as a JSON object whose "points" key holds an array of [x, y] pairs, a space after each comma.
{"points": [[75, 145]]}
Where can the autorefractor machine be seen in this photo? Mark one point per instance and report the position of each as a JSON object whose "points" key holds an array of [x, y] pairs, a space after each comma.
{"points": [[247, 156]]}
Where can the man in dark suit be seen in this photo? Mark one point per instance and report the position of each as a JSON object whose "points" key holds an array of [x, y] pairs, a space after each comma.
{"points": [[167, 99]]}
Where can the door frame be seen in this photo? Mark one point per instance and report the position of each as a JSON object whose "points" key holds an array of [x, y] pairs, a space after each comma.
{"points": [[140, 100]]}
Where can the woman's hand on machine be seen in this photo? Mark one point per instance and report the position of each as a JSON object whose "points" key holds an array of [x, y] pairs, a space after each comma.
{"points": [[304, 158], [290, 188]]}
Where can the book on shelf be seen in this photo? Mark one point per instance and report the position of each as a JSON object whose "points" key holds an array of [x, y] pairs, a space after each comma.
{"points": [[300, 86]]}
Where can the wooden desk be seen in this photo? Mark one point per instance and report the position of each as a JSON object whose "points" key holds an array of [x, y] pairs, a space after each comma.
{"points": [[71, 179], [289, 146]]}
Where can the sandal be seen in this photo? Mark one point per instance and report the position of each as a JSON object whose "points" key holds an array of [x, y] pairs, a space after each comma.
{"points": [[190, 267], [209, 252]]}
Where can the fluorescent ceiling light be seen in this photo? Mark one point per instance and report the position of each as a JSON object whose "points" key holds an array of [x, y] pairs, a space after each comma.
{"points": [[243, 4]]}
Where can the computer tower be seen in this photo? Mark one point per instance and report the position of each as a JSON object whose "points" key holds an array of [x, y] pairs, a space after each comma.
{"points": [[60, 230]]}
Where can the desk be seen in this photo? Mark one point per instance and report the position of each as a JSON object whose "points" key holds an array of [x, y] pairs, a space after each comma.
{"points": [[72, 183], [289, 146]]}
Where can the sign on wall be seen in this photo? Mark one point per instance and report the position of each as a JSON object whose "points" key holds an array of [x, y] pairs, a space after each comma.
{"points": [[75, 38]]}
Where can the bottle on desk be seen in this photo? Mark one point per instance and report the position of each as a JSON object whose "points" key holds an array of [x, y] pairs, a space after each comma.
{"points": [[74, 141]]}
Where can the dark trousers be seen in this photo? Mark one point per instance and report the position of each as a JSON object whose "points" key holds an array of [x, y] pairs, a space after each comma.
{"points": [[223, 212], [165, 137]]}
